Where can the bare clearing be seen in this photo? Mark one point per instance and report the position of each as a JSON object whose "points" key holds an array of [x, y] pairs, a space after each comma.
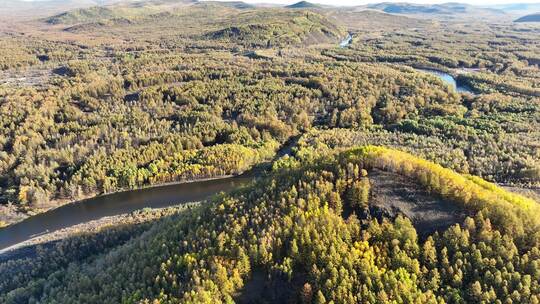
{"points": [[396, 194]]}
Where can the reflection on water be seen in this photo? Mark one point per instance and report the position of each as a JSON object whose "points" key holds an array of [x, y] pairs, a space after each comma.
{"points": [[449, 79], [114, 204]]}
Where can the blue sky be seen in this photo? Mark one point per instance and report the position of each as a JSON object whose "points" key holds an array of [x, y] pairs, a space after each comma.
{"points": [[358, 2]]}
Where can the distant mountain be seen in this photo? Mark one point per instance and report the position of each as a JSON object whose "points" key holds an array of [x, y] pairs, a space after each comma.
{"points": [[518, 8], [374, 20], [43, 8], [529, 18], [279, 29], [303, 4], [232, 4], [404, 8], [82, 15], [122, 10], [449, 9]]}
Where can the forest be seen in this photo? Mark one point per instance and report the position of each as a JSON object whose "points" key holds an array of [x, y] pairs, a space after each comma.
{"points": [[375, 181], [150, 117], [309, 225]]}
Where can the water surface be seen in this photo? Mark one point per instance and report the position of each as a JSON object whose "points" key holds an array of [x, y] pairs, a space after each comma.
{"points": [[450, 80], [115, 204], [346, 42]]}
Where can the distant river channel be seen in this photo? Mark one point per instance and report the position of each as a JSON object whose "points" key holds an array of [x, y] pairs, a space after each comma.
{"points": [[346, 42], [448, 79]]}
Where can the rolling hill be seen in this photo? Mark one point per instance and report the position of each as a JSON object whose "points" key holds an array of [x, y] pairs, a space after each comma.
{"points": [[35, 9], [279, 28], [303, 4], [228, 22], [529, 18], [311, 231], [91, 14], [450, 9], [126, 10]]}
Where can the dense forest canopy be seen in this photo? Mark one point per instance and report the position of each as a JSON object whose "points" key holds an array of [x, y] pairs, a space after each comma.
{"points": [[394, 187], [311, 225], [103, 118]]}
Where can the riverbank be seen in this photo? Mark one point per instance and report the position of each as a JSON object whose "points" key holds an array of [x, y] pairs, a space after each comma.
{"points": [[449, 79], [125, 201], [13, 217], [31, 247], [115, 204]]}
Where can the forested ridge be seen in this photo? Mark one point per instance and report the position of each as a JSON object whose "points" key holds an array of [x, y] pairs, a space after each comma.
{"points": [[310, 225], [376, 182]]}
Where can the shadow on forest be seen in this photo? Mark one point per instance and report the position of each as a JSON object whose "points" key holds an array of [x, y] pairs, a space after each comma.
{"points": [[261, 289]]}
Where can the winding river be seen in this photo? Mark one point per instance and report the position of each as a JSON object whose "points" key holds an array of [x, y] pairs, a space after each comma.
{"points": [[154, 197], [114, 204], [448, 79], [124, 202], [445, 77]]}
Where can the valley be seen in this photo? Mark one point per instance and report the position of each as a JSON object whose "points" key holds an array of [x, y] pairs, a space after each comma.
{"points": [[174, 151]]}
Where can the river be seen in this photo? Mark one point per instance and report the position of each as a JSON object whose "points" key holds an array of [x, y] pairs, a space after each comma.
{"points": [[154, 197], [445, 77], [346, 42], [128, 201], [449, 79], [114, 204]]}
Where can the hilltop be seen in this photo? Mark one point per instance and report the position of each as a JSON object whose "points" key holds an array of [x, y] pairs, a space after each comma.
{"points": [[278, 29], [529, 18], [128, 10], [303, 4], [227, 22]]}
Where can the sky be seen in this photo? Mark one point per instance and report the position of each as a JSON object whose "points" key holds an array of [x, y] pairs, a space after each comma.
{"points": [[359, 2]]}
